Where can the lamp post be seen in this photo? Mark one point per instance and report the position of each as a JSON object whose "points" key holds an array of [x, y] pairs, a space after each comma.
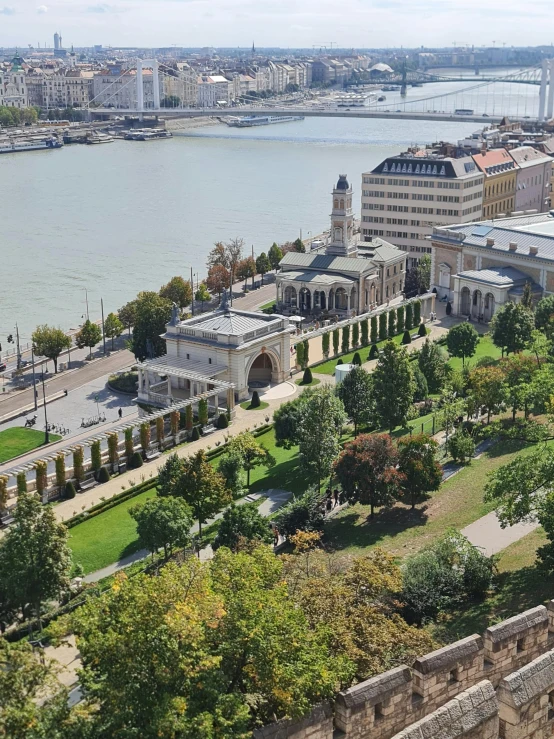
{"points": [[46, 431], [34, 377]]}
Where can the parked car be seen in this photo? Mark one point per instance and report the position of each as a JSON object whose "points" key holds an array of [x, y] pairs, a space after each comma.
{"points": [[3, 366]]}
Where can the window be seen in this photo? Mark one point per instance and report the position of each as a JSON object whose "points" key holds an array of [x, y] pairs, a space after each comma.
{"points": [[209, 360], [520, 646], [188, 356], [453, 676], [551, 705], [378, 711], [388, 272]]}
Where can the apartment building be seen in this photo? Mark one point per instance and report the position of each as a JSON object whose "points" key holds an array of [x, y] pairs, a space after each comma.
{"points": [[117, 88], [406, 196], [533, 174], [67, 89], [213, 89], [13, 86], [500, 173], [181, 81]]}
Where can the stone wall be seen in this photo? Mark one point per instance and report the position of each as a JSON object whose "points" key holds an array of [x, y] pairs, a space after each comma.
{"points": [[500, 684]]}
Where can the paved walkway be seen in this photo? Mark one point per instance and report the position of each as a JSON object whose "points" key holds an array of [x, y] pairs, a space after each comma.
{"points": [[274, 499], [487, 534]]}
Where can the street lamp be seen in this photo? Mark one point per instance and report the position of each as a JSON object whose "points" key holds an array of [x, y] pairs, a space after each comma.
{"points": [[46, 431]]}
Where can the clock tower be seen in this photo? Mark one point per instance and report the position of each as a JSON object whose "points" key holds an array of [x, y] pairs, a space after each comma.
{"points": [[342, 242]]}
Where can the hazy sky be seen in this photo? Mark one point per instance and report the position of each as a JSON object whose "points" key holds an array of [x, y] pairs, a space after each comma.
{"points": [[295, 23]]}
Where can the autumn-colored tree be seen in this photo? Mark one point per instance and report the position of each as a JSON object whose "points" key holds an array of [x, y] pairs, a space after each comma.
{"points": [[178, 290], [219, 278], [488, 387], [417, 463]]}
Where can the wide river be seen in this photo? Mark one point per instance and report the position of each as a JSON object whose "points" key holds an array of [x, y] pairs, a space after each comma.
{"points": [[118, 218]]}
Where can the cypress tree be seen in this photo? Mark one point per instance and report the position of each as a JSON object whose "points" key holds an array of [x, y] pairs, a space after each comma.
{"points": [[374, 335], [409, 320], [400, 325], [345, 339], [336, 339], [355, 334], [417, 313], [392, 323], [365, 332], [383, 326]]}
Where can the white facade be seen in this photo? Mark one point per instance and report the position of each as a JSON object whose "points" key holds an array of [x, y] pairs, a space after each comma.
{"points": [[213, 89], [532, 179], [67, 90], [406, 196], [119, 89], [13, 88]]}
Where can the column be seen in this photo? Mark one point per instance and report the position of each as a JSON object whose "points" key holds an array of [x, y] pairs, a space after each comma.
{"points": [[140, 88], [231, 402], [156, 84], [550, 105], [542, 93]]}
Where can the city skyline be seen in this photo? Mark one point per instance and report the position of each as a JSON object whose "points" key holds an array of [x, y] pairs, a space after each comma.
{"points": [[353, 23]]}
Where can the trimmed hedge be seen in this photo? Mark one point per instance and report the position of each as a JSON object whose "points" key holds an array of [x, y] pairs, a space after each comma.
{"points": [[103, 475], [69, 490], [255, 402], [356, 359], [106, 504], [136, 461], [373, 352], [407, 338], [195, 434], [307, 377], [222, 422]]}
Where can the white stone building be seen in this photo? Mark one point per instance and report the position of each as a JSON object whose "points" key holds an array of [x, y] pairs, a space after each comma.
{"points": [[13, 86], [213, 89], [223, 353]]}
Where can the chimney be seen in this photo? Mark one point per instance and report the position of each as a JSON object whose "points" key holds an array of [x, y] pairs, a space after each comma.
{"points": [[513, 245], [534, 250], [490, 242]]}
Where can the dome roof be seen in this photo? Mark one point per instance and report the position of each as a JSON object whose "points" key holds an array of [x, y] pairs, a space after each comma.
{"points": [[342, 184]]}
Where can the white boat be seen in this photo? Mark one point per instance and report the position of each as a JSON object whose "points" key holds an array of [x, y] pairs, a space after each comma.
{"points": [[16, 146], [354, 99], [99, 138], [262, 120], [148, 134]]}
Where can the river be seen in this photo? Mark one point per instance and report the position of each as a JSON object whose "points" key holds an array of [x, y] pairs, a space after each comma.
{"points": [[118, 218]]}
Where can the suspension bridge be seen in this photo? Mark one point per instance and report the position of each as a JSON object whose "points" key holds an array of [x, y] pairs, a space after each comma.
{"points": [[478, 99]]}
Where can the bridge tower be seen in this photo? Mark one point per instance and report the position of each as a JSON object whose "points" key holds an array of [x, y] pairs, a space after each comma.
{"points": [[404, 87], [153, 65]]}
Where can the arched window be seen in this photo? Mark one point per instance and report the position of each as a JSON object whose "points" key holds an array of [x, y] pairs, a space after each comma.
{"points": [[341, 204], [335, 203]]}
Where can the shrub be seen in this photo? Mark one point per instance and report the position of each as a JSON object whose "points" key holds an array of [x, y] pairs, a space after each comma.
{"points": [[103, 475], [242, 524], [78, 463], [400, 319], [69, 490], [374, 336], [392, 323], [336, 339], [409, 317], [222, 422], [365, 332], [339, 362], [303, 513], [21, 480], [325, 344], [255, 402], [129, 444], [407, 338], [307, 377], [417, 312], [422, 331], [95, 456], [145, 435], [356, 359], [195, 434], [461, 446], [136, 460]]}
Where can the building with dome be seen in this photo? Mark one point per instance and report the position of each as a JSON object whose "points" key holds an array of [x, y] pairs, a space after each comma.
{"points": [[13, 87], [348, 276]]}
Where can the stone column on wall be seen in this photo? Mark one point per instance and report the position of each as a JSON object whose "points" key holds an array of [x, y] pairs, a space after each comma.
{"points": [[231, 402]]}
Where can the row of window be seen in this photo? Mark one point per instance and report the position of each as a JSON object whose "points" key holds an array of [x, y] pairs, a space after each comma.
{"points": [[404, 209], [447, 212], [503, 206], [475, 209], [448, 198], [506, 186], [473, 196]]}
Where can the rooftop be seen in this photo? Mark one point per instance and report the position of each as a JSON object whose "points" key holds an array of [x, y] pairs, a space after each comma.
{"points": [[326, 262], [424, 163]]}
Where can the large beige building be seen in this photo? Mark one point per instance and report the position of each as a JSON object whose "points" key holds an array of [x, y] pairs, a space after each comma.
{"points": [[406, 196], [67, 89]]}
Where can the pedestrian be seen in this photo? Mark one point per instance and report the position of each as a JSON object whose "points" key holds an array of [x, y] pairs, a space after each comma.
{"points": [[275, 536], [336, 496], [120, 413], [329, 505]]}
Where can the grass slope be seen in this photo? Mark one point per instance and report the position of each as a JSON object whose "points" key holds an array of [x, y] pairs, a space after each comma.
{"points": [[328, 367], [108, 537], [16, 441]]}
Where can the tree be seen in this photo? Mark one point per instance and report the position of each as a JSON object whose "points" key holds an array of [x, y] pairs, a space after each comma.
{"points": [[393, 386], [433, 363], [152, 315], [287, 420], [251, 453], [219, 278], [409, 317], [356, 394], [488, 388], [242, 525], [345, 343], [461, 446], [181, 654], [368, 471], [230, 466], [355, 335], [299, 245], [417, 312], [50, 342], [423, 274], [200, 486], [320, 431], [127, 315], [527, 296], [422, 390], [170, 101], [400, 319], [178, 290], [33, 703], [202, 295], [88, 335], [364, 326], [383, 326], [511, 326], [416, 462], [392, 323], [274, 255], [300, 355], [518, 373], [462, 341], [263, 265], [163, 522], [335, 341], [374, 333], [302, 513], [325, 344], [113, 327], [218, 256], [245, 268], [34, 557], [540, 344], [544, 315], [233, 250]]}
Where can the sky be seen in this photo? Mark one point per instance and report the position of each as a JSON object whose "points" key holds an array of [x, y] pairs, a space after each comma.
{"points": [[284, 23]]}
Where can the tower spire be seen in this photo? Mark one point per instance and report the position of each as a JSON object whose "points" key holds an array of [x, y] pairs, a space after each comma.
{"points": [[342, 242]]}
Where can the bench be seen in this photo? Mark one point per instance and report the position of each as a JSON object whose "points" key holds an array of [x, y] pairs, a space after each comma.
{"points": [[6, 520], [88, 485], [208, 430], [153, 456]]}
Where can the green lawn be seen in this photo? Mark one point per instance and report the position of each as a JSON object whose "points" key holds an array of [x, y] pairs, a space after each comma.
{"points": [[247, 406], [402, 531], [108, 537], [328, 367], [485, 348], [267, 306], [16, 441], [314, 381]]}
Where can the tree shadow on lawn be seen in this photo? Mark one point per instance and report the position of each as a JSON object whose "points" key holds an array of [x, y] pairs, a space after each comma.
{"points": [[285, 475], [513, 592], [508, 446], [354, 529]]}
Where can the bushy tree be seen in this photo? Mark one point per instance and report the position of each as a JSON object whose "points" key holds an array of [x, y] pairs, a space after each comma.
{"points": [[230, 466], [511, 327], [274, 255], [287, 420], [544, 315], [302, 513], [320, 430], [368, 471], [461, 446], [202, 295], [356, 394], [127, 315], [163, 523], [242, 525], [433, 363], [422, 389], [374, 333], [178, 290], [50, 342], [251, 453], [393, 386], [417, 463], [219, 278], [152, 314], [113, 327], [88, 335], [462, 341], [488, 388], [263, 265]]}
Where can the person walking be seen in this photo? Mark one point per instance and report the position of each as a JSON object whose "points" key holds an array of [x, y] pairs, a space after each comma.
{"points": [[120, 413], [336, 497]]}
